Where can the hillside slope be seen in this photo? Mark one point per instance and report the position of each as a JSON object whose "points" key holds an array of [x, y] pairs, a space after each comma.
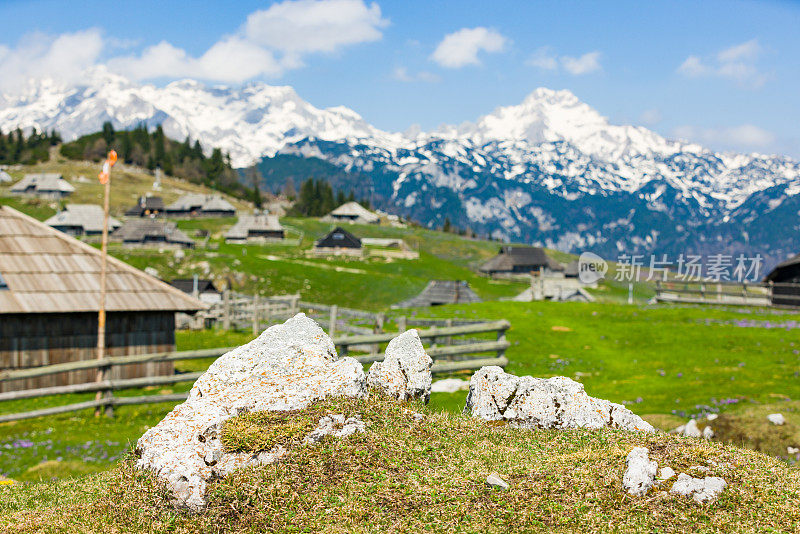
{"points": [[408, 475]]}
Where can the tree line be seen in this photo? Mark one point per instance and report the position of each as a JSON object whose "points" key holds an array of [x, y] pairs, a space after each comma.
{"points": [[316, 198], [16, 148], [153, 150]]}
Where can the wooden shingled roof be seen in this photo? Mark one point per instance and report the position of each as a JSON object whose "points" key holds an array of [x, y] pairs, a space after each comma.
{"points": [[46, 271]]}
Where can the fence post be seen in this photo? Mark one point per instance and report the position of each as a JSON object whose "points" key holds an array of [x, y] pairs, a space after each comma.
{"points": [[401, 324], [449, 339], [255, 315], [295, 304], [501, 336], [226, 309], [332, 326], [380, 318]]}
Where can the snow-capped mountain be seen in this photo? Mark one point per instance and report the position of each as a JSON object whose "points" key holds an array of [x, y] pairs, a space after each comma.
{"points": [[550, 170], [248, 122]]}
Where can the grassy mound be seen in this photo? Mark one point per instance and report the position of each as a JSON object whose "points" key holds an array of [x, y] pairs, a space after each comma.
{"points": [[405, 474]]}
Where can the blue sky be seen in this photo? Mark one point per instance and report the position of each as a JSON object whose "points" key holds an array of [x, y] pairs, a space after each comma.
{"points": [[725, 74]]}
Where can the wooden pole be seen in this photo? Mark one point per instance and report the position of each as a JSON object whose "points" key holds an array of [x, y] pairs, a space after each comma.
{"points": [[332, 327], [102, 372]]}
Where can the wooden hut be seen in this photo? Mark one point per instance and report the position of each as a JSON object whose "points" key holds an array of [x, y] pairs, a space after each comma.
{"points": [[513, 259], [50, 296], [439, 292], [200, 288], [338, 242], [147, 207], [198, 205], [81, 220], [149, 233], [250, 228], [45, 185], [785, 278], [353, 212]]}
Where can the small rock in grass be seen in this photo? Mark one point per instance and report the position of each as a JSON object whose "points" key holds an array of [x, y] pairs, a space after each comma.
{"points": [[495, 481], [776, 419], [699, 489], [691, 430], [708, 432], [335, 425], [449, 385], [405, 372], [666, 473], [712, 416], [792, 450], [640, 472]]}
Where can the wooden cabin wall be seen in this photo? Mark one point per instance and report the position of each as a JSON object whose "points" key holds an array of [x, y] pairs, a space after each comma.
{"points": [[33, 340]]}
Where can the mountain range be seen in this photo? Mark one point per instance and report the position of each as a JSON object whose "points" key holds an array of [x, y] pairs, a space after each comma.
{"points": [[550, 171]]}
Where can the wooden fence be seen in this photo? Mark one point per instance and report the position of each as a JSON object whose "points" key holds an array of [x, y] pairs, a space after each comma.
{"points": [[448, 357], [729, 293]]}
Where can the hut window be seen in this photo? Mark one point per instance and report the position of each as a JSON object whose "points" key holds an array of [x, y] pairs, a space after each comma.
{"points": [[3, 284]]}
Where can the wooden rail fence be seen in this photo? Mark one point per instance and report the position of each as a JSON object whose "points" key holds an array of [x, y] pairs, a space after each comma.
{"points": [[448, 358], [729, 293]]}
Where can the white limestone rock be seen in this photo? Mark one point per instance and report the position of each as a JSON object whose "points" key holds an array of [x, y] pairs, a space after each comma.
{"points": [[665, 473], [691, 430], [495, 481], [699, 489], [335, 425], [405, 372], [640, 472], [286, 368], [776, 419], [708, 432], [557, 402]]}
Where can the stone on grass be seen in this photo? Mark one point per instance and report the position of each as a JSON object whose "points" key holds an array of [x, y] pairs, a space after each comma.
{"points": [[495, 481], [286, 368], [640, 472], [666, 473], [699, 489], [708, 432], [776, 419], [335, 425], [691, 430], [405, 372], [449, 385], [792, 450], [557, 402]]}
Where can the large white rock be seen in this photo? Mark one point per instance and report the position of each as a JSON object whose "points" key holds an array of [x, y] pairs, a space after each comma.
{"points": [[287, 367], [699, 489], [776, 419], [640, 472], [405, 372], [691, 429], [557, 402]]}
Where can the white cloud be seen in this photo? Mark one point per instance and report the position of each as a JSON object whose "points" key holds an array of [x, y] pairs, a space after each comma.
{"points": [[588, 62], [270, 42], [401, 74], [543, 58], [746, 137], [737, 63], [37, 55], [461, 48], [304, 26], [650, 117]]}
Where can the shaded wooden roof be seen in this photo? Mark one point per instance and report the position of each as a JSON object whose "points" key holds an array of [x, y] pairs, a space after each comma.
{"points": [[143, 230], [187, 285], [86, 216], [354, 210], [339, 238], [439, 292], [253, 223], [198, 201], [42, 183], [46, 271], [511, 256], [785, 272]]}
